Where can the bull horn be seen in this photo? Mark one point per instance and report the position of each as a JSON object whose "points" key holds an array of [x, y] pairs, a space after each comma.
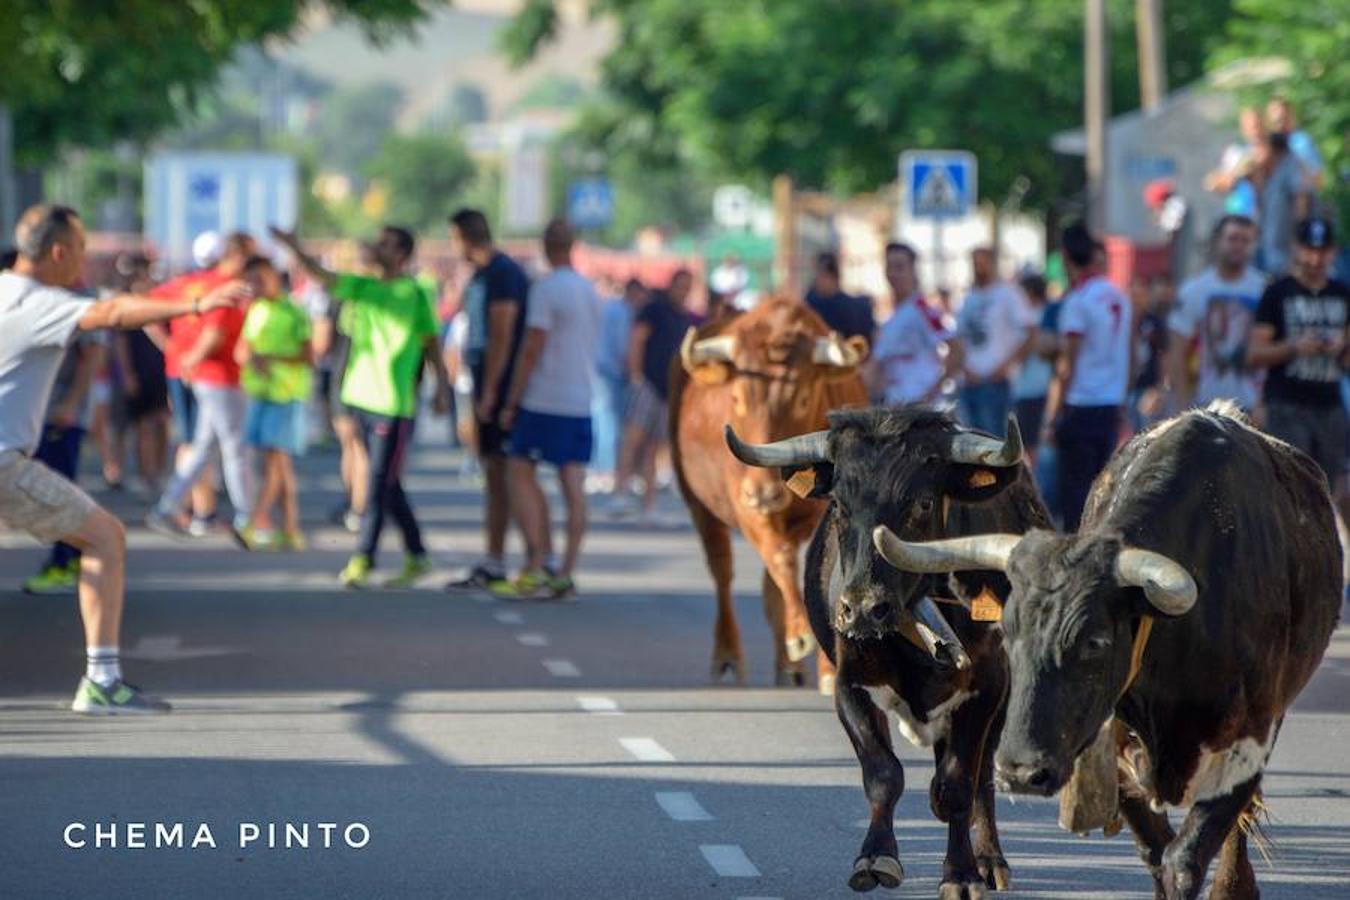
{"points": [[803, 450], [981, 450], [938, 636], [721, 348], [1168, 586], [963, 554], [831, 351]]}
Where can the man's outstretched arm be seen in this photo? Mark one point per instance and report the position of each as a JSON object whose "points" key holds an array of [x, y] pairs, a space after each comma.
{"points": [[310, 263], [131, 311]]}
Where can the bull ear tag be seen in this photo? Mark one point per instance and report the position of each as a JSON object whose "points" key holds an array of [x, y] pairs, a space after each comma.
{"points": [[802, 482], [982, 478], [986, 608]]}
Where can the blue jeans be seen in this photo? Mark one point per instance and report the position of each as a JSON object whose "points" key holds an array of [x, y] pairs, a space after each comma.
{"points": [[1085, 437], [611, 398], [60, 451], [985, 406]]}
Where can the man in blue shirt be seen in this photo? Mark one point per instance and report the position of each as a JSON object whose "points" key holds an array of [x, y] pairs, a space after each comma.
{"points": [[611, 366]]}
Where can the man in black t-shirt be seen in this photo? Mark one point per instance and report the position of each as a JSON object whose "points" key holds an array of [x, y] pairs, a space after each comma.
{"points": [[850, 316], [1300, 337], [658, 330], [495, 302]]}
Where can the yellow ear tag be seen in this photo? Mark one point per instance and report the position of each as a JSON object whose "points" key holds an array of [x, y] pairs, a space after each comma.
{"points": [[986, 608], [802, 482], [982, 478]]}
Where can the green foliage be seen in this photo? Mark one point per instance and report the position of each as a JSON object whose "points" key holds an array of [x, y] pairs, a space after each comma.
{"points": [[1314, 38], [830, 93], [78, 73], [425, 175]]}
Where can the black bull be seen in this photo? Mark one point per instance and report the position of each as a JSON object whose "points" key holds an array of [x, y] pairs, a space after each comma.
{"points": [[1193, 605], [943, 675]]}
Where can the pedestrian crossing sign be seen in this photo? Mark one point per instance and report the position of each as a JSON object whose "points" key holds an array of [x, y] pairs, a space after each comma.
{"points": [[939, 184]]}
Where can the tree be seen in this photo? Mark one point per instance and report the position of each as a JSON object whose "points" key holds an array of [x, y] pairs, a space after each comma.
{"points": [[831, 93], [422, 174], [1313, 38], [76, 73]]}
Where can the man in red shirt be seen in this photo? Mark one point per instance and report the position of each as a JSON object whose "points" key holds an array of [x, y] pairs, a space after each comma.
{"points": [[208, 365], [215, 260]]}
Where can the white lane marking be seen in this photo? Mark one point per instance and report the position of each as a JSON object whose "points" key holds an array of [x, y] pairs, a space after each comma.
{"points": [[682, 807], [728, 860], [562, 668], [169, 648], [601, 706], [532, 639], [509, 618], [645, 749]]}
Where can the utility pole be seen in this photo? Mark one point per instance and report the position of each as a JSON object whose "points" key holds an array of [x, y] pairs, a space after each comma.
{"points": [[1152, 56], [1096, 108], [9, 201]]}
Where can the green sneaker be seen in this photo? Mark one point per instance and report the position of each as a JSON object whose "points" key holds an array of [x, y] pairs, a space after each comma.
{"points": [[562, 587], [414, 567], [263, 539], [116, 699], [526, 585], [53, 580], [356, 573]]}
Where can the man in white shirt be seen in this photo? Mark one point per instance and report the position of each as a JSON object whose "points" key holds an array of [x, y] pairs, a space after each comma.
{"points": [[39, 317], [908, 355], [1213, 316], [1092, 374], [548, 412], [995, 326]]}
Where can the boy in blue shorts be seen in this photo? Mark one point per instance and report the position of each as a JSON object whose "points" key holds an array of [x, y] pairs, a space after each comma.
{"points": [[276, 361], [548, 412]]}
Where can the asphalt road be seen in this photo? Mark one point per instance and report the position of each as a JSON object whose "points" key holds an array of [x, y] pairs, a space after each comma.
{"points": [[493, 750]]}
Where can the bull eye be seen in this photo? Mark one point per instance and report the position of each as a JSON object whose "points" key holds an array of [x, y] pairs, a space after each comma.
{"points": [[925, 505], [1096, 645]]}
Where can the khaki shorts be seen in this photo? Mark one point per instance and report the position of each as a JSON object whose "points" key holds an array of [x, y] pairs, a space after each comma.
{"points": [[35, 499], [647, 411]]}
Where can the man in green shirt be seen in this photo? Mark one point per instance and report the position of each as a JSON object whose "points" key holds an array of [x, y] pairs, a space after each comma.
{"points": [[391, 321]]}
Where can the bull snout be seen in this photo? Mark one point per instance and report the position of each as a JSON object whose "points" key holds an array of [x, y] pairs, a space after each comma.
{"points": [[764, 496], [1040, 775], [861, 612]]}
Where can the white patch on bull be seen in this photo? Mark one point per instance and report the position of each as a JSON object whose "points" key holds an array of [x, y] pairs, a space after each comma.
{"points": [[920, 734], [1220, 771]]}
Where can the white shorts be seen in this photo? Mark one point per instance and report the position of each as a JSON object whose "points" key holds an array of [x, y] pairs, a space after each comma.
{"points": [[35, 499]]}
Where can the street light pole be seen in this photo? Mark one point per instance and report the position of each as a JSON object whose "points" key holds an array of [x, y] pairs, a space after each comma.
{"points": [[1096, 108], [9, 211]]}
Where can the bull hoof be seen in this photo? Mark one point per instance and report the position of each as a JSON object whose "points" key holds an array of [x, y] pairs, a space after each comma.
{"points": [[955, 890], [723, 667], [995, 872], [800, 647], [826, 685], [790, 677], [883, 871]]}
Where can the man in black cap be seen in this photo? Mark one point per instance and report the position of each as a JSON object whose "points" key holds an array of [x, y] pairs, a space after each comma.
{"points": [[1300, 337]]}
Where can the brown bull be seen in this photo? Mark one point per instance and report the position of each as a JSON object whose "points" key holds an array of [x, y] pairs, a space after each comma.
{"points": [[771, 373]]}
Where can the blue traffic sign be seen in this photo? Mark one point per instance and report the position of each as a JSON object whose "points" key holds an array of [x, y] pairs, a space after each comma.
{"points": [[939, 184], [590, 203]]}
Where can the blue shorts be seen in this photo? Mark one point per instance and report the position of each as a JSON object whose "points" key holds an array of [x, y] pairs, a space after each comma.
{"points": [[275, 426], [559, 440]]}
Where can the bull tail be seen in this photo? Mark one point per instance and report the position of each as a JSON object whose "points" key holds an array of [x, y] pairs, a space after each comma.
{"points": [[1253, 822]]}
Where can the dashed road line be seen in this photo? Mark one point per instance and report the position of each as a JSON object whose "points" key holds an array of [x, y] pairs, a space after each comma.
{"points": [[532, 639], [682, 806], [728, 861], [600, 706], [506, 617], [562, 668], [645, 749]]}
